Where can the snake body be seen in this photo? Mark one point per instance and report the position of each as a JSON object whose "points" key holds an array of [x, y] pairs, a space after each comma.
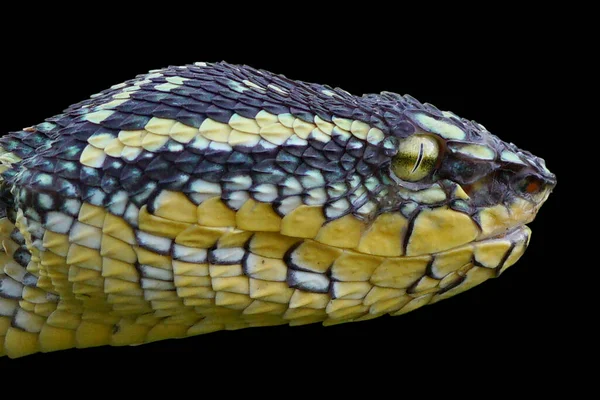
{"points": [[214, 196]]}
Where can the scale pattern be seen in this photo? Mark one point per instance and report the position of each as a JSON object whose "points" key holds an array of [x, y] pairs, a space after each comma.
{"points": [[211, 196]]}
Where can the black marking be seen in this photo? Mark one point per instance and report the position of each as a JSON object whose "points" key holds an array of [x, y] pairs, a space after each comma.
{"points": [[504, 258], [419, 159], [429, 269], [451, 286], [409, 230]]}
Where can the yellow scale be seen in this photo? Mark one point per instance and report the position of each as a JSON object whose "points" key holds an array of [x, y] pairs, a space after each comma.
{"points": [[102, 301]]}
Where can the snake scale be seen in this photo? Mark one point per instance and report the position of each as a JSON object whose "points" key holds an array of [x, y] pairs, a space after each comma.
{"points": [[207, 197]]}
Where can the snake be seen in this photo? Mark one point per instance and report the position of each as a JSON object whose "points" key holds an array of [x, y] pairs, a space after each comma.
{"points": [[212, 196]]}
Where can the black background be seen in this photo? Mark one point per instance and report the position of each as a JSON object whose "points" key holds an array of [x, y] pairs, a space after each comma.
{"points": [[515, 320]]}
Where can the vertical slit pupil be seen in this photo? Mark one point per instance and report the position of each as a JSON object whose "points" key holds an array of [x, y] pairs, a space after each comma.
{"points": [[419, 159]]}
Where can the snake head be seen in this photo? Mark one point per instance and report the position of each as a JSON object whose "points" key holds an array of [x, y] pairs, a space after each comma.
{"points": [[213, 196], [444, 164]]}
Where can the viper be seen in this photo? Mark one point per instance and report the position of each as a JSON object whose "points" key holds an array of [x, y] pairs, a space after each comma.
{"points": [[215, 197]]}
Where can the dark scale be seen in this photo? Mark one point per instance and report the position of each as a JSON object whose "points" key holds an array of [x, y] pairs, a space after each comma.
{"points": [[238, 161], [294, 149], [132, 179], [213, 176], [216, 155], [112, 166], [275, 108], [170, 156], [67, 169], [148, 190], [341, 140], [129, 106], [90, 176], [45, 201], [42, 164], [253, 99], [229, 93], [187, 161], [159, 168], [139, 108], [333, 173], [378, 122], [109, 184], [287, 161], [175, 182], [182, 101], [329, 166], [267, 171], [144, 159], [316, 144], [206, 167], [246, 111], [333, 151], [190, 118], [36, 180], [17, 236], [355, 147], [314, 158], [348, 162], [219, 114], [67, 188], [13, 145], [224, 102], [165, 111], [83, 131], [214, 91]]}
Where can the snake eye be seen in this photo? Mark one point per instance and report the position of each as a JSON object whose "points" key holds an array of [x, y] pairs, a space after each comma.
{"points": [[416, 159]]}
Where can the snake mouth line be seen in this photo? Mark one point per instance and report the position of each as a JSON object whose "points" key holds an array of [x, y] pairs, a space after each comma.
{"points": [[515, 233]]}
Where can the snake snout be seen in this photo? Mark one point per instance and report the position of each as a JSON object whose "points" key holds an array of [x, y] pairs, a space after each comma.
{"points": [[534, 182]]}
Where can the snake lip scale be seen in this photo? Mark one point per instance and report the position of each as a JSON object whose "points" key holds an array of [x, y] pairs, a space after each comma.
{"points": [[207, 197]]}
